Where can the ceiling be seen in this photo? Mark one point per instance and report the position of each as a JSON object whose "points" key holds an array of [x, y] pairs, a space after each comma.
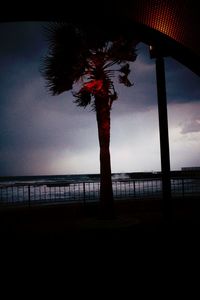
{"points": [[172, 26]]}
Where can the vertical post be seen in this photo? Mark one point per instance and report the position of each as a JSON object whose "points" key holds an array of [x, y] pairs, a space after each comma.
{"points": [[164, 139], [183, 188], [84, 195], [134, 187], [29, 196]]}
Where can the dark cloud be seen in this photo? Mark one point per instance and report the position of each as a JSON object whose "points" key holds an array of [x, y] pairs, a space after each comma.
{"points": [[32, 124], [182, 84], [142, 95], [22, 162], [22, 48], [21, 40]]}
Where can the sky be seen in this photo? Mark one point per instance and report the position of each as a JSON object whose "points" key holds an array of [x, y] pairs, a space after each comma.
{"points": [[41, 134]]}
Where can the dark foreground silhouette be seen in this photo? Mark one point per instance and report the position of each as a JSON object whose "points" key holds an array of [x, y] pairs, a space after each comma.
{"points": [[76, 239], [134, 221]]}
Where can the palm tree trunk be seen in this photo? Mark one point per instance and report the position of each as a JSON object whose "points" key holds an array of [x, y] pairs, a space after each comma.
{"points": [[103, 123]]}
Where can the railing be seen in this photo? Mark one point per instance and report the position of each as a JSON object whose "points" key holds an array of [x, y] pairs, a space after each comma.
{"points": [[185, 187], [59, 192]]}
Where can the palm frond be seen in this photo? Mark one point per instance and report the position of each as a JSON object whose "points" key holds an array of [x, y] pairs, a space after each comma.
{"points": [[124, 79], [66, 59], [125, 69], [113, 96], [75, 54], [122, 50], [82, 98]]}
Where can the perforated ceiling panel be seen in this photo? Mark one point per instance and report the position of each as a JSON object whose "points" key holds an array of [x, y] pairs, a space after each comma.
{"points": [[173, 25], [178, 19]]}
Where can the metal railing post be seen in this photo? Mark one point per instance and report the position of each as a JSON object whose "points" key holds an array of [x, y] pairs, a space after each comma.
{"points": [[134, 193], [29, 196], [183, 188], [84, 200]]}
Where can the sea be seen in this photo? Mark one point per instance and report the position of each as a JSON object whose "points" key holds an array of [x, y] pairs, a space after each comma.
{"points": [[74, 187], [70, 178], [86, 187]]}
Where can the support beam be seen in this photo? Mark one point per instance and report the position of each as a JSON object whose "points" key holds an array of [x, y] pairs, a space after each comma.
{"points": [[164, 139]]}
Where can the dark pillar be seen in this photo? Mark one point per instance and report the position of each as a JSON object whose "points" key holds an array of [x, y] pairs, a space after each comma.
{"points": [[164, 139]]}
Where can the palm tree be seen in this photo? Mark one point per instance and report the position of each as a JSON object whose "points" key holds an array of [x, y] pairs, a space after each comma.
{"points": [[78, 58]]}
